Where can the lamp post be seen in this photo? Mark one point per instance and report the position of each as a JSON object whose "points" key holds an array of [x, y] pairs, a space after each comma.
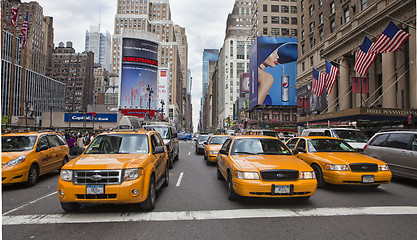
{"points": [[50, 116], [149, 89], [15, 4], [162, 104]]}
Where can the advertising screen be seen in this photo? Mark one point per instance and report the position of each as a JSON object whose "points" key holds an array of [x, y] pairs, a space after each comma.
{"points": [[163, 91], [273, 70], [313, 102], [139, 74]]}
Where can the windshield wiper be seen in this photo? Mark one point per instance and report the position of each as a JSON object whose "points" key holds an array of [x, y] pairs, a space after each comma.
{"points": [[248, 153]]}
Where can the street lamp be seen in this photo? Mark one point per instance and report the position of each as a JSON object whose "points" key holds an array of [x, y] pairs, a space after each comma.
{"points": [[149, 89], [162, 104]]}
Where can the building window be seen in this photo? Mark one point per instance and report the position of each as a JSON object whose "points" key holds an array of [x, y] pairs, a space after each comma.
{"points": [[286, 116], [294, 32], [302, 35], [310, 10], [293, 9], [275, 115], [303, 48], [332, 25], [311, 27], [265, 8], [302, 20], [231, 49], [294, 117], [302, 4], [321, 34], [231, 71], [364, 4], [275, 31], [285, 20], [311, 42], [321, 18], [240, 50], [320, 2], [265, 19], [265, 31], [285, 9], [274, 19], [285, 31], [275, 8], [346, 15], [312, 61], [332, 8], [294, 21], [303, 66]]}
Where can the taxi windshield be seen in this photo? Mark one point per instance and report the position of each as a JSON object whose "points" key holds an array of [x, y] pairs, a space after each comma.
{"points": [[218, 140], [163, 131], [329, 145], [258, 146], [119, 144], [17, 143]]}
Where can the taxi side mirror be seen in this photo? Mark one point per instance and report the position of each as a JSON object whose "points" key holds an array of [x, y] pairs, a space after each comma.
{"points": [[43, 148], [223, 151], [295, 152], [159, 150], [205, 143]]}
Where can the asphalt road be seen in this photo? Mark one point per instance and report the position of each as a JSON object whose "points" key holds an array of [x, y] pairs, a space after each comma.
{"points": [[195, 206]]}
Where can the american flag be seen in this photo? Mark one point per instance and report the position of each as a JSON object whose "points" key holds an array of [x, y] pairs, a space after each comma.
{"points": [[331, 72], [390, 39], [319, 80], [364, 58], [24, 31], [13, 10]]}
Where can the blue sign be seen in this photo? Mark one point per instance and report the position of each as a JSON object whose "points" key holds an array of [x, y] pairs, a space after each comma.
{"points": [[100, 117]]}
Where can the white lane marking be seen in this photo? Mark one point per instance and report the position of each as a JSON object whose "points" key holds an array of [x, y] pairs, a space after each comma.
{"points": [[189, 153], [180, 179], [205, 215], [24, 205]]}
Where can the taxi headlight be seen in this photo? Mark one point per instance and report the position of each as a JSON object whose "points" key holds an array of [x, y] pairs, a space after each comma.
{"points": [[307, 175], [132, 174], [66, 175], [246, 175], [213, 152], [383, 168], [336, 167], [15, 161]]}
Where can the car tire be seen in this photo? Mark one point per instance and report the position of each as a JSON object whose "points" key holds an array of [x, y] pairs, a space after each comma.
{"points": [[33, 175], [177, 156], [219, 174], [166, 177], [231, 195], [319, 176], [171, 163], [70, 206], [149, 203]]}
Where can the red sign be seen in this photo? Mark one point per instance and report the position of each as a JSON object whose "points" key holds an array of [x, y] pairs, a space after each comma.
{"points": [[360, 84], [141, 113], [410, 118], [163, 73], [140, 60]]}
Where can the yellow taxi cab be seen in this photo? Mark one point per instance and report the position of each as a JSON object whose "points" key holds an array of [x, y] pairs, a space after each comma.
{"points": [[262, 166], [212, 146], [122, 166], [26, 156], [336, 162]]}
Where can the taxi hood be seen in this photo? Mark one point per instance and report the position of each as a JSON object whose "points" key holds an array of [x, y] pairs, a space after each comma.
{"points": [[7, 156], [345, 157], [214, 147], [107, 161], [266, 162]]}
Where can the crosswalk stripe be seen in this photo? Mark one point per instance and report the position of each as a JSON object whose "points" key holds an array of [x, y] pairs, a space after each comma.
{"points": [[205, 215]]}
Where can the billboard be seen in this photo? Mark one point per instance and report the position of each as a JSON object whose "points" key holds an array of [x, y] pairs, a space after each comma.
{"points": [[163, 90], [311, 102], [139, 73], [244, 82], [99, 117], [273, 70]]}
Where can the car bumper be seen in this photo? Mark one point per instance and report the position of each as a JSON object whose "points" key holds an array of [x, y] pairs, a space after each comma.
{"points": [[355, 178], [14, 174], [258, 188], [212, 158], [120, 193]]}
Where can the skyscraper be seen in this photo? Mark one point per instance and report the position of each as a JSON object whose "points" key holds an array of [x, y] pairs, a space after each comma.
{"points": [[100, 45], [210, 56]]}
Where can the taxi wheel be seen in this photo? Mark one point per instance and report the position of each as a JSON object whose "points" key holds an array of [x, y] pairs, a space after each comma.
{"points": [[171, 163], [33, 175], [231, 195], [219, 174], [319, 176], [166, 176], [149, 203], [70, 206]]}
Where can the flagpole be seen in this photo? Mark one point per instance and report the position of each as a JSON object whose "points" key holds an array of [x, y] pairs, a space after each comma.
{"points": [[12, 78], [22, 90], [411, 26]]}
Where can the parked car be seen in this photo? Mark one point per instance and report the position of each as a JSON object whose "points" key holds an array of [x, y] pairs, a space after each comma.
{"points": [[170, 137], [398, 148], [262, 166], [335, 161], [199, 143], [263, 132], [122, 166], [184, 136], [26, 156], [212, 146], [354, 137]]}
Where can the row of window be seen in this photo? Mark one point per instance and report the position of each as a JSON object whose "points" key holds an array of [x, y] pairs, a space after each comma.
{"points": [[284, 8], [284, 20], [284, 32]]}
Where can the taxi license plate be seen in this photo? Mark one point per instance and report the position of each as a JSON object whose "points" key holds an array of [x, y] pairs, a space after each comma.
{"points": [[282, 189], [368, 179], [95, 189]]}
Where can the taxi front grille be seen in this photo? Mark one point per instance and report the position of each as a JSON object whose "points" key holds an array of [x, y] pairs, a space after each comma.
{"points": [[96, 196], [279, 175], [83, 177], [363, 167], [280, 194]]}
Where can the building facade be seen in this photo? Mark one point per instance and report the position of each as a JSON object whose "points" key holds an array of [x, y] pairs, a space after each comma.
{"points": [[334, 31], [100, 45]]}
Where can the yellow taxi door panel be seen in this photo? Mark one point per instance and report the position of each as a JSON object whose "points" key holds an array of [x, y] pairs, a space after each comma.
{"points": [[44, 156], [57, 153], [157, 158]]}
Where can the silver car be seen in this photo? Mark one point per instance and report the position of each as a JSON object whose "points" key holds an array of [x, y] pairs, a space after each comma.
{"points": [[398, 148]]}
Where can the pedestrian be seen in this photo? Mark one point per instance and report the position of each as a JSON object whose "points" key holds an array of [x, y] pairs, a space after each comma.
{"points": [[81, 141], [71, 144]]}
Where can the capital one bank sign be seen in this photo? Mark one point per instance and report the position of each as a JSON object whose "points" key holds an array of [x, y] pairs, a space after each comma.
{"points": [[100, 117]]}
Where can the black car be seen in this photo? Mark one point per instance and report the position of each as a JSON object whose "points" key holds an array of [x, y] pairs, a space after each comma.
{"points": [[170, 137], [199, 143]]}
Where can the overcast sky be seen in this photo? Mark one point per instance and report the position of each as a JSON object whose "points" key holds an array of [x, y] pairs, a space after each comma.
{"points": [[204, 22]]}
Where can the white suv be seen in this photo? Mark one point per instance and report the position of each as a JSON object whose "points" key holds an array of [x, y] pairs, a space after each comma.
{"points": [[354, 137]]}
